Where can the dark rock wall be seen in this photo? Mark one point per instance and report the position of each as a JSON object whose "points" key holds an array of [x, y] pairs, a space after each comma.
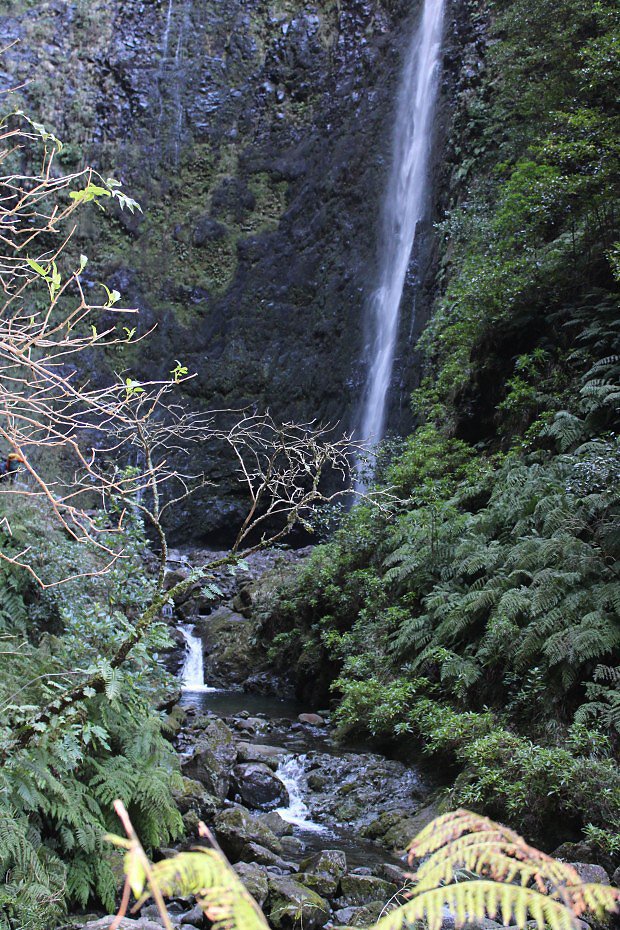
{"points": [[256, 136]]}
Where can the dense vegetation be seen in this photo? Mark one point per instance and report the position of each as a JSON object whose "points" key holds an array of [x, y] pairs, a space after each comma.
{"points": [[56, 793], [480, 618]]}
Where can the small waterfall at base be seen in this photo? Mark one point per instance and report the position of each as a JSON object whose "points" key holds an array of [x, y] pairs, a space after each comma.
{"points": [[292, 774], [404, 207], [193, 675]]}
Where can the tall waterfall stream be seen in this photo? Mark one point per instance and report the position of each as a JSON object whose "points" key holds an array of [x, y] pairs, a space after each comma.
{"points": [[404, 206]]}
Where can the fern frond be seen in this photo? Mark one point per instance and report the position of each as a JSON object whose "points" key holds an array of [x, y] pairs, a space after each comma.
{"points": [[518, 883], [477, 899]]}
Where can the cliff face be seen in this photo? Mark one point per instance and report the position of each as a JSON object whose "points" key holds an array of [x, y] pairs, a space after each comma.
{"points": [[255, 136]]}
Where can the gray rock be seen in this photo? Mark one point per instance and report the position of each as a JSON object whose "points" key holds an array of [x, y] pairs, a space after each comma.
{"points": [[104, 923], [293, 846], [343, 915], [195, 917], [269, 755], [615, 878], [254, 879], [591, 873], [313, 720], [366, 915], [330, 865], [325, 885], [393, 873], [276, 823], [258, 787], [362, 889], [292, 906], [238, 833], [254, 852], [193, 796], [212, 758]]}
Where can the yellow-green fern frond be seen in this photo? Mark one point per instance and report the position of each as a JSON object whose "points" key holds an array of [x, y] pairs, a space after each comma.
{"points": [[220, 893], [515, 881]]}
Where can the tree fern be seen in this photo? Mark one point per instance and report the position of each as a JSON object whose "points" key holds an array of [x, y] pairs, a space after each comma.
{"points": [[514, 881]]}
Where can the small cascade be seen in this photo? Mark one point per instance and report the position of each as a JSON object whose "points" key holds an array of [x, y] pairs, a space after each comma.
{"points": [[404, 206], [292, 773], [193, 674]]}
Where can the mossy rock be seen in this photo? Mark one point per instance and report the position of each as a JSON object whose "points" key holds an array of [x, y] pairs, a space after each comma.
{"points": [[293, 907]]}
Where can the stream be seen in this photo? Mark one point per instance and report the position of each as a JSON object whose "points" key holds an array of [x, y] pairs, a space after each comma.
{"points": [[310, 759]]}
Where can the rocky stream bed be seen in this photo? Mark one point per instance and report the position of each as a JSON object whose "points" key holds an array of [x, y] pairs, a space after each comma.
{"points": [[316, 830]]}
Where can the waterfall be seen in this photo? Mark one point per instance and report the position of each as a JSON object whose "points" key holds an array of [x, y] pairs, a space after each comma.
{"points": [[403, 207], [292, 774], [171, 78], [193, 674]]}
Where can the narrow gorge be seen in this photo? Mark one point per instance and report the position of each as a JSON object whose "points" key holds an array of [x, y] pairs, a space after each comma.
{"points": [[309, 465]]}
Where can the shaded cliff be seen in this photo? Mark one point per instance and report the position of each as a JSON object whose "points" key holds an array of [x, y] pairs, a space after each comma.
{"points": [[255, 136]]}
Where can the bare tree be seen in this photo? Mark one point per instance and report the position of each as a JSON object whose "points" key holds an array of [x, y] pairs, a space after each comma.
{"points": [[117, 438]]}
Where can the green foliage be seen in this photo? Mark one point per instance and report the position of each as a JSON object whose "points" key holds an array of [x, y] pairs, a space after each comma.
{"points": [[483, 615], [56, 795]]}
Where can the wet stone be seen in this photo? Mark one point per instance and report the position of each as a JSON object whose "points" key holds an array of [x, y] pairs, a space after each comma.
{"points": [[258, 787], [362, 889], [293, 907], [255, 880], [240, 835]]}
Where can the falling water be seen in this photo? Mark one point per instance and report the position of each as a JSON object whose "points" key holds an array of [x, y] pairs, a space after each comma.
{"points": [[292, 773], [403, 207], [193, 674], [171, 78]]}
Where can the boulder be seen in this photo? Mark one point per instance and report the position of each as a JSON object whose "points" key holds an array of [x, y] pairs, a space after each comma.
{"points": [[362, 889], [254, 852], [276, 823], [615, 878], [212, 758], [104, 923], [193, 796], [151, 912], [314, 720], [291, 906], [575, 852], [254, 879], [258, 787], [591, 873], [325, 885], [293, 847], [330, 862], [268, 755], [363, 916], [238, 833], [195, 917]]}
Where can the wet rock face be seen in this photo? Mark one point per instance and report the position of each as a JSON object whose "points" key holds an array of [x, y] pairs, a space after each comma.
{"points": [[256, 140], [347, 787]]}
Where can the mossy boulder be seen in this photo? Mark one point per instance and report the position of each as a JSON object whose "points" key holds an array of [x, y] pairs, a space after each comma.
{"points": [[212, 758], [255, 880], [363, 889], [323, 871], [193, 796], [291, 906], [239, 833]]}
